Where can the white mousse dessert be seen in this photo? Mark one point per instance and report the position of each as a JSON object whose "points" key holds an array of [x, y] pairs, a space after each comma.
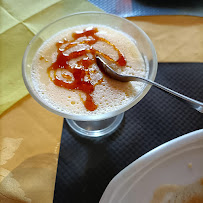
{"points": [[66, 77]]}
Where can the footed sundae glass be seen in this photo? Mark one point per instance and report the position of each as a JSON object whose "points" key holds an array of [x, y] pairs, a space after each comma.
{"points": [[100, 124]]}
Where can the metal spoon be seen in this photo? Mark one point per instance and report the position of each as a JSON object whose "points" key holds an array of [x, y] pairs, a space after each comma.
{"points": [[126, 78]]}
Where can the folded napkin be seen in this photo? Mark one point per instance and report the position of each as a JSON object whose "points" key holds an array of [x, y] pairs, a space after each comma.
{"points": [[20, 21]]}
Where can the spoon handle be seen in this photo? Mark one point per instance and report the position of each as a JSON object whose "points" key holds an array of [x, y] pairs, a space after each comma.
{"points": [[192, 102]]}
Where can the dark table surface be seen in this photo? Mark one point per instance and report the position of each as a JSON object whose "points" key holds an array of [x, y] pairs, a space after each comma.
{"points": [[86, 166], [129, 8]]}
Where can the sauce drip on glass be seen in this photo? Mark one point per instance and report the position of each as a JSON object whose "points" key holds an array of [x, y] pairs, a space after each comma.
{"points": [[79, 74]]}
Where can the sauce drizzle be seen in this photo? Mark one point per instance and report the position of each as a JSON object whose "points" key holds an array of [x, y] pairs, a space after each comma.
{"points": [[62, 62]]}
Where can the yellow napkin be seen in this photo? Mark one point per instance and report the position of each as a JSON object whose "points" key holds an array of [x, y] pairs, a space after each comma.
{"points": [[20, 20], [32, 179], [29, 147]]}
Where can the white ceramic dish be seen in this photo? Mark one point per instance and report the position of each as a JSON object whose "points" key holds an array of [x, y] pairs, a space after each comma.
{"points": [[166, 164]]}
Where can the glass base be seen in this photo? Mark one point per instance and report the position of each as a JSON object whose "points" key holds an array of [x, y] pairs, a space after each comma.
{"points": [[96, 128]]}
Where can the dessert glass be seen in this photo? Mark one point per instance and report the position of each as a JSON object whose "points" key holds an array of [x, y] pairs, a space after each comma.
{"points": [[101, 124]]}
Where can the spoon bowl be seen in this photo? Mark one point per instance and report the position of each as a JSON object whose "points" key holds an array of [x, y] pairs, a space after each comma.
{"points": [[104, 67]]}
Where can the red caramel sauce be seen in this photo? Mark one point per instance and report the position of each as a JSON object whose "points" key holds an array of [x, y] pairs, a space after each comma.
{"points": [[62, 62]]}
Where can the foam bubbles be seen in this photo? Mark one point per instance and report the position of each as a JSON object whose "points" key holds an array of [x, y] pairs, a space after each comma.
{"points": [[110, 95]]}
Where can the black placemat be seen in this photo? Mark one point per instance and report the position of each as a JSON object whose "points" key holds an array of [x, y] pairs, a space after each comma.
{"points": [[128, 8], [86, 166]]}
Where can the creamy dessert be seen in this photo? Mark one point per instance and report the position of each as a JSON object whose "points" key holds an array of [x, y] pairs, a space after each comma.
{"points": [[192, 193], [66, 77]]}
